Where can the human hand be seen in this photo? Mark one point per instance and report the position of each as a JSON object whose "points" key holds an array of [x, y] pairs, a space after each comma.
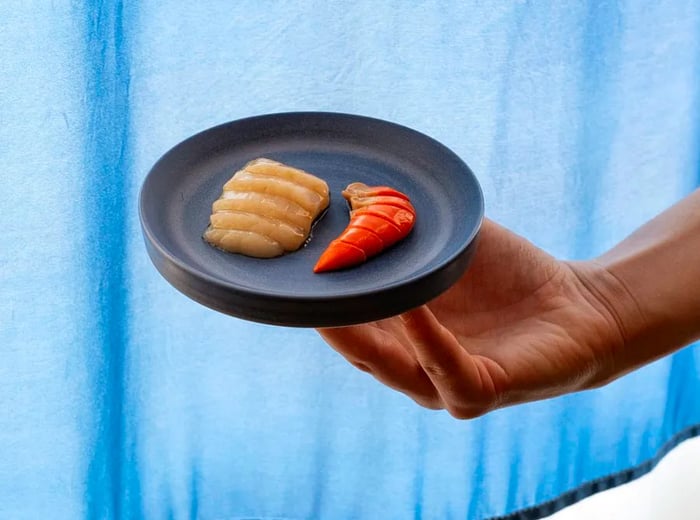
{"points": [[518, 326]]}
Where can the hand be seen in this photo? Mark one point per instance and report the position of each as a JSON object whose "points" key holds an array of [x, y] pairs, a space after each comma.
{"points": [[518, 326]]}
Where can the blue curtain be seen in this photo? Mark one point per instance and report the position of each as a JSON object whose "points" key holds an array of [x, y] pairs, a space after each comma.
{"points": [[121, 398]]}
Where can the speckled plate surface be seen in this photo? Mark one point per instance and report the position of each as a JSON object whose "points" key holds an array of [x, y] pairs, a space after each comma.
{"points": [[176, 197]]}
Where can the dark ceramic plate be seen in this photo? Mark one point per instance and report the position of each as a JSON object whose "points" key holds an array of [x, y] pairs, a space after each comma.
{"points": [[177, 194]]}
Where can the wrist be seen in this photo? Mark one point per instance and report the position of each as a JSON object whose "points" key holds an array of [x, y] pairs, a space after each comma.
{"points": [[626, 323], [649, 287], [658, 268], [656, 300]]}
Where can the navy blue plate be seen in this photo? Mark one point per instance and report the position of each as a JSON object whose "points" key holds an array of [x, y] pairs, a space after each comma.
{"points": [[177, 194]]}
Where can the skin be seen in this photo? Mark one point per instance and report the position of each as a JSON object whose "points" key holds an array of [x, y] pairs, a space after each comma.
{"points": [[521, 325]]}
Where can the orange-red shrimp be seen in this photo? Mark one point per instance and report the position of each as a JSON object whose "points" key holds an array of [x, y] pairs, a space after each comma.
{"points": [[379, 217]]}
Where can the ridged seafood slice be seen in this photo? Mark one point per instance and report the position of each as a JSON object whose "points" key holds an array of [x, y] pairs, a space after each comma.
{"points": [[380, 216], [266, 209]]}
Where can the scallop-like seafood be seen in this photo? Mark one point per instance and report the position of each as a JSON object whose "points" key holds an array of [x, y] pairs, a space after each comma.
{"points": [[266, 209]]}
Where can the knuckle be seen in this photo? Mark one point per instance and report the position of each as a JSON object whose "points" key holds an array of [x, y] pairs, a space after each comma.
{"points": [[435, 371]]}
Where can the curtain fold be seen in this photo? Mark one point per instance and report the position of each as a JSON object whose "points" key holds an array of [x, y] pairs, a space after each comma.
{"points": [[121, 398]]}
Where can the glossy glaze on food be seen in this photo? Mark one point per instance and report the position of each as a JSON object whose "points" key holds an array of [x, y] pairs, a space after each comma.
{"points": [[266, 209], [380, 216]]}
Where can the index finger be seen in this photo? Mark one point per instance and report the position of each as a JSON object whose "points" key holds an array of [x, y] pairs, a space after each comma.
{"points": [[461, 380]]}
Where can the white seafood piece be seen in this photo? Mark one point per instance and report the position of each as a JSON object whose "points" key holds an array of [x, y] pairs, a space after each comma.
{"points": [[268, 167], [270, 205], [266, 209], [246, 181], [289, 236], [234, 240]]}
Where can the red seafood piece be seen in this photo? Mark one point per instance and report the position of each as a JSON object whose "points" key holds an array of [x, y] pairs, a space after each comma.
{"points": [[380, 216]]}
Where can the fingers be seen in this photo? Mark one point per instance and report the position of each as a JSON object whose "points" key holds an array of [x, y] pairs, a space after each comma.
{"points": [[462, 382], [421, 358], [375, 351]]}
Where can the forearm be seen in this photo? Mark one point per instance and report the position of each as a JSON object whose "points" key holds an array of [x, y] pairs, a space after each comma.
{"points": [[657, 273]]}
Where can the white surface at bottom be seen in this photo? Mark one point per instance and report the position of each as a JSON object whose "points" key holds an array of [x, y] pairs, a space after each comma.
{"points": [[671, 491]]}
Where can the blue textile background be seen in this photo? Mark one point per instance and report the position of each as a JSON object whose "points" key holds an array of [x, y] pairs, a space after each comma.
{"points": [[121, 398]]}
